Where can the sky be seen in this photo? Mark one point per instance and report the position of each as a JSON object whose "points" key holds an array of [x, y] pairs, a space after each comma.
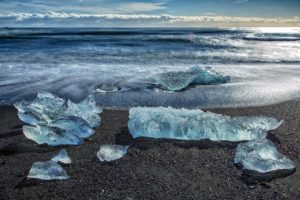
{"points": [[151, 13]]}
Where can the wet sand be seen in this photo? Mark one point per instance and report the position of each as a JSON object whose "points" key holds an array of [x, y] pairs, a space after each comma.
{"points": [[153, 168]]}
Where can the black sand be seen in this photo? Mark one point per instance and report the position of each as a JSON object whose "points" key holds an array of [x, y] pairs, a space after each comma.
{"points": [[152, 169]]}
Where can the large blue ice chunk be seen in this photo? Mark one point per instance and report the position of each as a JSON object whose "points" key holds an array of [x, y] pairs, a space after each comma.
{"points": [[261, 156], [51, 135], [87, 110], [175, 81], [62, 157], [111, 152], [49, 170], [161, 122]]}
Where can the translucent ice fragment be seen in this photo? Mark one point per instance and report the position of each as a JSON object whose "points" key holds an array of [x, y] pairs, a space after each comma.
{"points": [[75, 125], [175, 81], [22, 106], [47, 171], [161, 122], [43, 109], [111, 152], [31, 118], [207, 76], [261, 156], [51, 135], [49, 105], [87, 110], [62, 157], [57, 121]]}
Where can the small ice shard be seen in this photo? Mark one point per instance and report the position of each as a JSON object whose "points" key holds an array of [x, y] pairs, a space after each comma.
{"points": [[261, 156], [62, 157], [175, 81], [51, 135], [47, 171], [106, 88], [75, 125], [87, 110], [207, 76], [161, 122], [111, 152]]}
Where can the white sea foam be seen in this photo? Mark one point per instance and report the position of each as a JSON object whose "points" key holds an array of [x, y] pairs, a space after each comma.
{"points": [[262, 72]]}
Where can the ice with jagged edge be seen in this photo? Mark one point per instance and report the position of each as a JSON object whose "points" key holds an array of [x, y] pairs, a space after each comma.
{"points": [[42, 110], [56, 121], [161, 122], [49, 170], [175, 81], [62, 156], [111, 152], [87, 110], [51, 135], [207, 76], [48, 107], [261, 156]]}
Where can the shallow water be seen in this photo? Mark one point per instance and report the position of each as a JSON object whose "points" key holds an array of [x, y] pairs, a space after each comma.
{"points": [[264, 65]]}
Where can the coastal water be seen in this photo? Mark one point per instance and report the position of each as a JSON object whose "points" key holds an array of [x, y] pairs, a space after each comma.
{"points": [[263, 63]]}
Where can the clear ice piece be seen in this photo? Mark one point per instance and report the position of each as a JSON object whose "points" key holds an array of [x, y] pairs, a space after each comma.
{"points": [[87, 110], [75, 125], [22, 106], [62, 157], [261, 156], [57, 121], [207, 76], [51, 136], [111, 152], [43, 109], [31, 118], [49, 170], [175, 81], [161, 122]]}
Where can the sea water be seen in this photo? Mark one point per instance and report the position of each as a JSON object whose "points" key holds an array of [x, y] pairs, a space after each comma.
{"points": [[263, 65]]}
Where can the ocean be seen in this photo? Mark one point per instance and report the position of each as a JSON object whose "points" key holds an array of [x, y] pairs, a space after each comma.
{"points": [[263, 63]]}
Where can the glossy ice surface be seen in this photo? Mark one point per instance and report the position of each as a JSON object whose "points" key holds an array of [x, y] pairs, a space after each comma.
{"points": [[111, 152], [261, 156], [161, 122], [49, 170]]}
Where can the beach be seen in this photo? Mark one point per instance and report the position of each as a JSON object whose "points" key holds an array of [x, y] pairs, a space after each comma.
{"points": [[152, 168]]}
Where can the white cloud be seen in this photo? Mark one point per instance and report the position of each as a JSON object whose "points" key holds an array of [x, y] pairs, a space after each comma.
{"points": [[141, 7], [144, 19]]}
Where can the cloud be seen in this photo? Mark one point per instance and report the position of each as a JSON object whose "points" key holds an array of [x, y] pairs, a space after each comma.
{"points": [[77, 19], [141, 7]]}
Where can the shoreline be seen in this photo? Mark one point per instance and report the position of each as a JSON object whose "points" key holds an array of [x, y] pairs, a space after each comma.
{"points": [[153, 168]]}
